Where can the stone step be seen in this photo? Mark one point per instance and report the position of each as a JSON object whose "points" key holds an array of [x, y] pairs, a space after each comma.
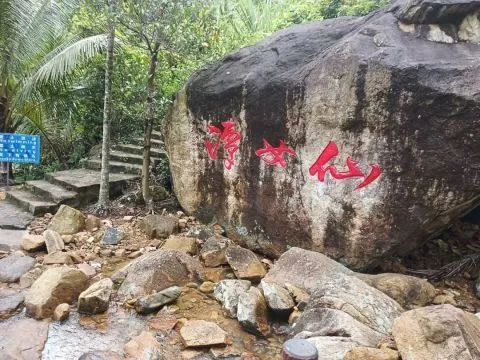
{"points": [[30, 201], [115, 166], [157, 135], [129, 158], [86, 182], [138, 150], [156, 143], [52, 192]]}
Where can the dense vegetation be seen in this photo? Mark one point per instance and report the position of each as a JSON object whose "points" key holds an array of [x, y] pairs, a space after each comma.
{"points": [[52, 67]]}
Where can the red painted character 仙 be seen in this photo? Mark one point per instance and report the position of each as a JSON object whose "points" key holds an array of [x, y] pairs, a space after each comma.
{"points": [[229, 137]]}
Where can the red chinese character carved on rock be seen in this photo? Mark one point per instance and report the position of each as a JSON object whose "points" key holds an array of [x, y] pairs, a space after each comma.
{"points": [[274, 155], [229, 137], [320, 167]]}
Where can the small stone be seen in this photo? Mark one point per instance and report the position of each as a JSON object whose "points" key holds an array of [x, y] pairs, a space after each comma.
{"points": [[228, 293], [135, 254], [198, 333], [201, 232], [10, 302], [278, 298], [252, 312], [213, 251], [76, 257], [33, 243], [112, 236], [96, 298], [119, 253], [191, 285], [128, 218], [92, 222], [245, 263], [215, 274], [53, 241], [61, 312], [445, 299], [154, 302], [67, 239], [14, 266], [159, 226], [57, 258], [88, 270], [181, 243], [207, 287], [294, 317], [182, 224], [106, 252], [67, 221]]}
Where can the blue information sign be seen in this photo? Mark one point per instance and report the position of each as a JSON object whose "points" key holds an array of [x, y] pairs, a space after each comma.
{"points": [[19, 148]]}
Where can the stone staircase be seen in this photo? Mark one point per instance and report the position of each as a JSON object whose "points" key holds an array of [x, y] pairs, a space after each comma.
{"points": [[79, 187]]}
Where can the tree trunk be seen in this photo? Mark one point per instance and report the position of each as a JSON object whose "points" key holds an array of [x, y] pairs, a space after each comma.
{"points": [[103, 196], [147, 197], [4, 167]]}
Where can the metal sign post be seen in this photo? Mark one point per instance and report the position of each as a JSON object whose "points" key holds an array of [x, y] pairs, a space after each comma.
{"points": [[19, 148]]}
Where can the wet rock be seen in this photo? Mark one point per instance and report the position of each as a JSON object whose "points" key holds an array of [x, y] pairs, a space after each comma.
{"points": [[96, 298], [202, 232], [197, 333], [331, 322], [32, 243], [112, 236], [252, 312], [213, 251], [101, 355], [407, 290], [53, 241], [363, 302], [14, 266], [207, 287], [437, 332], [67, 221], [245, 263], [159, 226], [10, 302], [156, 271], [277, 297], [332, 347], [368, 353], [88, 270], [181, 243], [61, 312], [58, 258], [92, 222], [228, 293], [143, 347], [53, 287], [22, 339], [154, 302], [359, 60]]}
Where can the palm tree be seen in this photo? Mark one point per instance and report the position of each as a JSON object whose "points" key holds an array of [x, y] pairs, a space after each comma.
{"points": [[36, 55]]}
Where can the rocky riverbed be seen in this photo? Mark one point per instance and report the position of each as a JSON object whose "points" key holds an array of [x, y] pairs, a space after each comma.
{"points": [[166, 287]]}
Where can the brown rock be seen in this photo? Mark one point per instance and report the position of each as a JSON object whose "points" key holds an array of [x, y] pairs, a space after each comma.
{"points": [[367, 353], [213, 251], [156, 271], [67, 221], [159, 226], [76, 256], [215, 274], [92, 222], [197, 333], [143, 346], [57, 258], [245, 263], [33, 243], [163, 322], [62, 312], [53, 241], [181, 243], [440, 332], [407, 290], [53, 287], [206, 287], [96, 298], [87, 269], [22, 339]]}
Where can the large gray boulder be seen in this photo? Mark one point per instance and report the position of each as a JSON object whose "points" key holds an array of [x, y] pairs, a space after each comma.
{"points": [[396, 91]]}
